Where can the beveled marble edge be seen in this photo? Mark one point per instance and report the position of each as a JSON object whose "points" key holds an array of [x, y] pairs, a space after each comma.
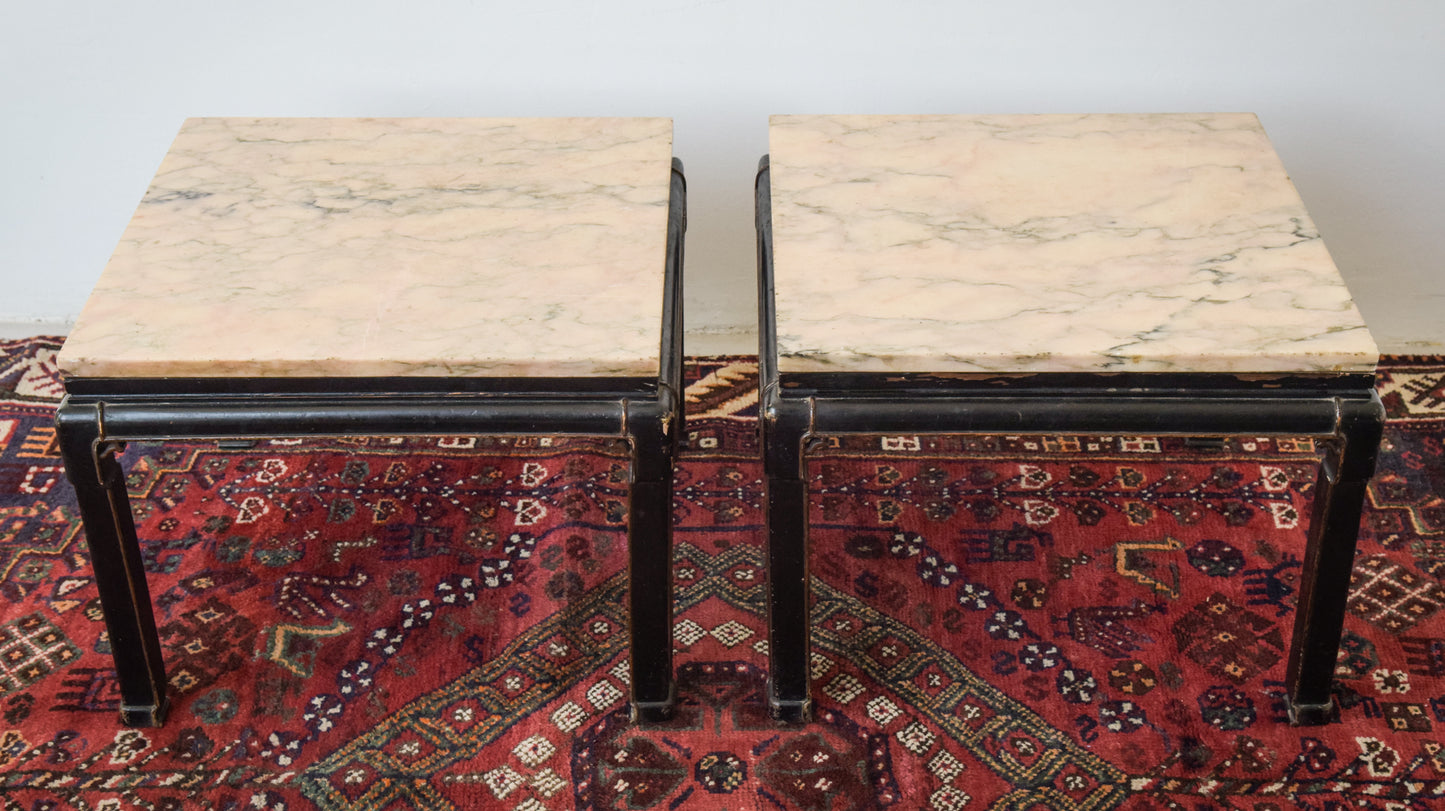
{"points": [[1218, 363], [957, 240], [299, 205], [339, 367]]}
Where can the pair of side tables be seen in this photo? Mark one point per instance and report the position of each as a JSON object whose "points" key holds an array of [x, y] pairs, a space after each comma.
{"points": [[1108, 274]]}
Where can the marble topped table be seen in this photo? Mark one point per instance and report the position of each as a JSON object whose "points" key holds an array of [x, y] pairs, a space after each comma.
{"points": [[298, 277], [1111, 274]]}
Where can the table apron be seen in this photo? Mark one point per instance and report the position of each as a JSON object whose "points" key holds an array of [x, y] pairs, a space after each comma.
{"points": [[1090, 414], [352, 416]]}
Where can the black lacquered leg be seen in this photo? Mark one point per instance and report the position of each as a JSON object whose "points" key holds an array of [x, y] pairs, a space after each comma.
{"points": [[785, 512], [115, 557], [1329, 560], [783, 427], [649, 531]]}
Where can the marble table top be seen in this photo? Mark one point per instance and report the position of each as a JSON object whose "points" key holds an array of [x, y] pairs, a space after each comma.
{"points": [[390, 247], [1049, 243]]}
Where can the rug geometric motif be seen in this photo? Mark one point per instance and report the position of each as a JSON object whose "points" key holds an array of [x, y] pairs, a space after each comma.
{"points": [[425, 753], [31, 648], [1231, 643], [1390, 596]]}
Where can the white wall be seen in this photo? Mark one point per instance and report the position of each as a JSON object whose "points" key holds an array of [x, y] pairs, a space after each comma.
{"points": [[1352, 93]]}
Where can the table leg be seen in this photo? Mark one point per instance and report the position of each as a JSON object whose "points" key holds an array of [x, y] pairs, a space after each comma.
{"points": [[1329, 560], [91, 466], [785, 513], [649, 541]]}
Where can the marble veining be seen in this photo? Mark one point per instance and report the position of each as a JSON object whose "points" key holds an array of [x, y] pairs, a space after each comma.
{"points": [[1049, 243], [390, 247]]}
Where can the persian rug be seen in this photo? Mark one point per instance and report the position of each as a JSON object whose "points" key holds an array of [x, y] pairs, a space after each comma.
{"points": [[999, 622]]}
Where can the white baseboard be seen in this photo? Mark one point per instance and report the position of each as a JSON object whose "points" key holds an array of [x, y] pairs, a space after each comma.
{"points": [[12, 328], [721, 342], [1411, 347]]}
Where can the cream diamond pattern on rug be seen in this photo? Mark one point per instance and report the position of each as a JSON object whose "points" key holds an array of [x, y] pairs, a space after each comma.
{"points": [[688, 632], [732, 633], [534, 751]]}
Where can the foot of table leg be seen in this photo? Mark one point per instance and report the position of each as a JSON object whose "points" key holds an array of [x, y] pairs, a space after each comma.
{"points": [[150, 715], [655, 712], [1329, 561], [650, 570], [115, 557], [789, 710], [1312, 715]]}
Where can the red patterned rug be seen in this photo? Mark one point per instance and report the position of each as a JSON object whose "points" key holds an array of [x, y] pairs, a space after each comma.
{"points": [[1001, 622]]}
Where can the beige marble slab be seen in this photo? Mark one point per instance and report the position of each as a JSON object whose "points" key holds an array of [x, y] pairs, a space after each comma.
{"points": [[1051, 243], [379, 247]]}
